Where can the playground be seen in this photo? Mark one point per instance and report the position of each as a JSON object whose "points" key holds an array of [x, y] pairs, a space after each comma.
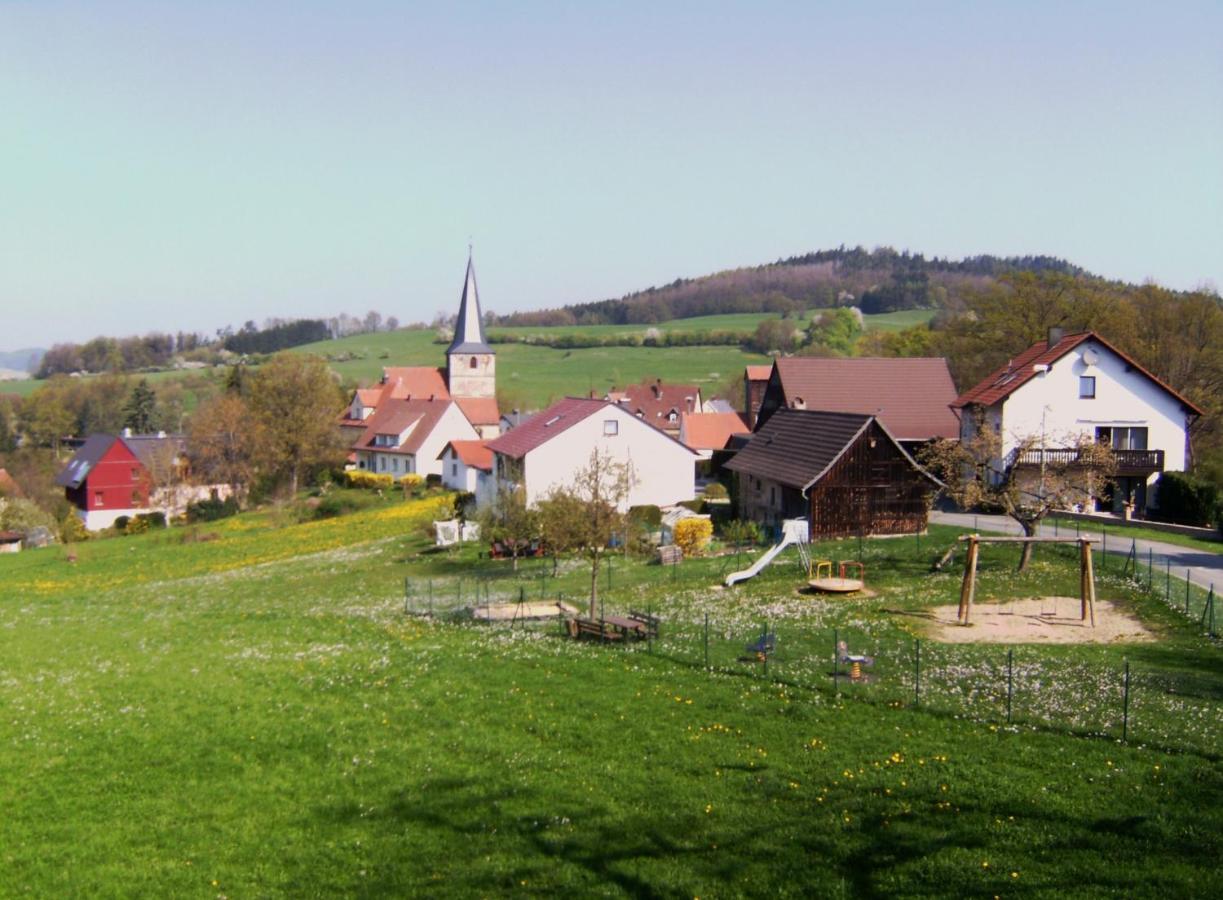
{"points": [[1037, 620]]}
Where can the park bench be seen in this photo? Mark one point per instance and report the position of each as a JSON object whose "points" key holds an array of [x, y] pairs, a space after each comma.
{"points": [[594, 628], [649, 622]]}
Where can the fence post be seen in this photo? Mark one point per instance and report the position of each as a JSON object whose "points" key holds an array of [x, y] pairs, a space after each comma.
{"points": [[1010, 682], [706, 642], [1055, 531], [1186, 592], [405, 595], [1168, 579], [1125, 705], [765, 643], [649, 630], [917, 672], [836, 661], [1104, 549], [1150, 567]]}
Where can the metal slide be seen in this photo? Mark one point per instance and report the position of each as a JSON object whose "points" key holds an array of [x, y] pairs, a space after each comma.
{"points": [[793, 531]]}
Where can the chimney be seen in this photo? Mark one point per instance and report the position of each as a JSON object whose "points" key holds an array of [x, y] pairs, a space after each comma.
{"points": [[161, 434], [1055, 336], [127, 432]]}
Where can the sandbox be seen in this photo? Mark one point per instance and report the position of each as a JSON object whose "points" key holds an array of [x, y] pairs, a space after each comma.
{"points": [[498, 612], [1037, 620]]}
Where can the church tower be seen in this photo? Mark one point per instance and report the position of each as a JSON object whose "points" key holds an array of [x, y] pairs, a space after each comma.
{"points": [[471, 365]]}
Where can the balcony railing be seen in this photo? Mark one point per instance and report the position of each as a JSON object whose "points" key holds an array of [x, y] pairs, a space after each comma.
{"points": [[1129, 462]]}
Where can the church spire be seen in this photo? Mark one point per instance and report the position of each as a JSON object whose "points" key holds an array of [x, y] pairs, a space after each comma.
{"points": [[469, 329]]}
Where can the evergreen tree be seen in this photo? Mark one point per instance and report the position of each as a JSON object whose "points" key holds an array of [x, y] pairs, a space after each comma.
{"points": [[141, 405]]}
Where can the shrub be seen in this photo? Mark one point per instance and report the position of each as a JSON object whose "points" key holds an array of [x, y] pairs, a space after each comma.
{"points": [[334, 505], [692, 536], [433, 480], [411, 481], [155, 519], [361, 478], [1187, 500], [121, 523], [211, 510], [645, 517], [137, 525], [716, 491], [738, 531], [72, 530]]}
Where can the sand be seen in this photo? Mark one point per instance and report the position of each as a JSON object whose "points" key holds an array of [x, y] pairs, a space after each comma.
{"points": [[1037, 620], [507, 611]]}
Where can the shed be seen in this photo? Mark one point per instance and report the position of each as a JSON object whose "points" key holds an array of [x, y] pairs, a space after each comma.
{"points": [[843, 472]]}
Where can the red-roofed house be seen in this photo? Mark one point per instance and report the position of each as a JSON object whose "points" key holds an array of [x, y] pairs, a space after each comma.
{"points": [[912, 397], [407, 436], [468, 466], [550, 449], [1080, 384], [708, 432], [659, 403]]}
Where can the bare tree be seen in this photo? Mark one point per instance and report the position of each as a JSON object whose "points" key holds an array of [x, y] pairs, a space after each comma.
{"points": [[589, 514], [1029, 482], [509, 521], [222, 443]]}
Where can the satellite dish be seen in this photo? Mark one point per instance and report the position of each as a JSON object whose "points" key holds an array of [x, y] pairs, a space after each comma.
{"points": [[1090, 357]]}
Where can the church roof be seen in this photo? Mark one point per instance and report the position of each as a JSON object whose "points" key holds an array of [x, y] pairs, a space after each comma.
{"points": [[469, 329]]}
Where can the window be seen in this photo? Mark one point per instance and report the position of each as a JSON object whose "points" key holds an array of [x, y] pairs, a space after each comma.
{"points": [[1087, 387], [454, 470], [611, 427], [135, 474], [473, 363], [97, 498], [381, 463], [1123, 437], [395, 464]]}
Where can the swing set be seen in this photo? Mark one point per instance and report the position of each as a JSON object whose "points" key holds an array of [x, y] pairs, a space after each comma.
{"points": [[1087, 577]]}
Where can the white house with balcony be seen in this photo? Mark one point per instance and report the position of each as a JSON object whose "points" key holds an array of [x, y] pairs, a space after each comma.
{"points": [[550, 449], [1079, 384]]}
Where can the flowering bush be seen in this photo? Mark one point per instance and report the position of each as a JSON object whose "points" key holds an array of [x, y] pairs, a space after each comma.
{"points": [[411, 481], [692, 535], [360, 478]]}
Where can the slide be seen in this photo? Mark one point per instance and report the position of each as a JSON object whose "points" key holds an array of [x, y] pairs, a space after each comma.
{"points": [[793, 531], [765, 558]]}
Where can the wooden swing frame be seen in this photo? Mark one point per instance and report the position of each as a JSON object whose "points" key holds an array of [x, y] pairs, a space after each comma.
{"points": [[1087, 575]]}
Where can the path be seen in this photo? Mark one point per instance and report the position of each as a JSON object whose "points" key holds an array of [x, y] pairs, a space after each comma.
{"points": [[1205, 568]]}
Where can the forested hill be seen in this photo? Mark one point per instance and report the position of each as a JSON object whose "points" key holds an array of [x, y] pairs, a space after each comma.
{"points": [[876, 281]]}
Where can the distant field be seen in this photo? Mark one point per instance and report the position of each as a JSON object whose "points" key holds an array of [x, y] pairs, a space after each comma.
{"points": [[532, 375]]}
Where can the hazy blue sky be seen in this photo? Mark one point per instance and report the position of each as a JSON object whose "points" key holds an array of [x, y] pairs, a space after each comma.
{"points": [[183, 166]]}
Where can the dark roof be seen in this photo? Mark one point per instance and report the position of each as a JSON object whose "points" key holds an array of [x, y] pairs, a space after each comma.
{"points": [[911, 396], [1005, 380], [795, 447], [146, 445], [469, 329], [544, 426], [11, 537]]}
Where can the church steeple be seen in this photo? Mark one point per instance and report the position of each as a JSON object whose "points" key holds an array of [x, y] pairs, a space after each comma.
{"points": [[469, 329], [471, 365]]}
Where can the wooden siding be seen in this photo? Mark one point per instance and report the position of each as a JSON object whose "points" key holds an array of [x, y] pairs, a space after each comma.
{"points": [[872, 489]]}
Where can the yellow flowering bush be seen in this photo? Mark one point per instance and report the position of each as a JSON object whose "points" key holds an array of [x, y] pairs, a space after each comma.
{"points": [[411, 481], [692, 535], [360, 478]]}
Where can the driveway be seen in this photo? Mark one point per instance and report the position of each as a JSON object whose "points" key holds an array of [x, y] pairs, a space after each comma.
{"points": [[1205, 568]]}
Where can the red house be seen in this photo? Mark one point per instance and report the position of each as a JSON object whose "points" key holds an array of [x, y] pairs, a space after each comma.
{"points": [[111, 476]]}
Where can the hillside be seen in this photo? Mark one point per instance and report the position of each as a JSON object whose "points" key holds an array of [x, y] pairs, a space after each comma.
{"points": [[878, 281], [21, 360]]}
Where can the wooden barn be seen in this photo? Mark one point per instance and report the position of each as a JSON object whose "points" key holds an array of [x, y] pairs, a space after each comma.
{"points": [[843, 472]]}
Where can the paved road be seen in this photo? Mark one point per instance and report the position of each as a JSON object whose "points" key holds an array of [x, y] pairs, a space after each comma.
{"points": [[1205, 568]]}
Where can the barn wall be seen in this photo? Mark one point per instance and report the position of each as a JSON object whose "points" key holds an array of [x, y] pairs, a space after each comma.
{"points": [[869, 490]]}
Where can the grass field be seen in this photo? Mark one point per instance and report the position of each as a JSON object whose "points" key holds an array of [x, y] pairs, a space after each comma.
{"points": [[254, 714], [532, 376]]}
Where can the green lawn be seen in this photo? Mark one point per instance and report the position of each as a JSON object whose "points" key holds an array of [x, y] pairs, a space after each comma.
{"points": [[1137, 532], [254, 714]]}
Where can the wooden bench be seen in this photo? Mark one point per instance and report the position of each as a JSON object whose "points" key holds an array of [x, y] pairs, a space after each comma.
{"points": [[650, 622], [594, 628]]}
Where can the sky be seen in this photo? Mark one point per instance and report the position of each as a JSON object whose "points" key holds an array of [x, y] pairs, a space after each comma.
{"points": [[185, 166]]}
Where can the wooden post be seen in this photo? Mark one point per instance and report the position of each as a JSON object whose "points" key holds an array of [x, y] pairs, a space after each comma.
{"points": [[969, 587], [1089, 578]]}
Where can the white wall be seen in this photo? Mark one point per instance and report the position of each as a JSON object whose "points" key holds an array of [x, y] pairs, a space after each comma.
{"points": [[1123, 399], [455, 473], [452, 426], [665, 470]]}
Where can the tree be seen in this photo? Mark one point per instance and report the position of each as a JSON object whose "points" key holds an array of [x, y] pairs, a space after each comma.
{"points": [[592, 512], [222, 443], [139, 409], [1029, 483], [509, 521], [295, 400]]}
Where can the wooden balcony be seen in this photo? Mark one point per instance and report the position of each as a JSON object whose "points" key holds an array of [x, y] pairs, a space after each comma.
{"points": [[1129, 462]]}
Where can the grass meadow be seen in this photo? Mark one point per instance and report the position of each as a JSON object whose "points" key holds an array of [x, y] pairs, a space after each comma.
{"points": [[247, 709]]}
